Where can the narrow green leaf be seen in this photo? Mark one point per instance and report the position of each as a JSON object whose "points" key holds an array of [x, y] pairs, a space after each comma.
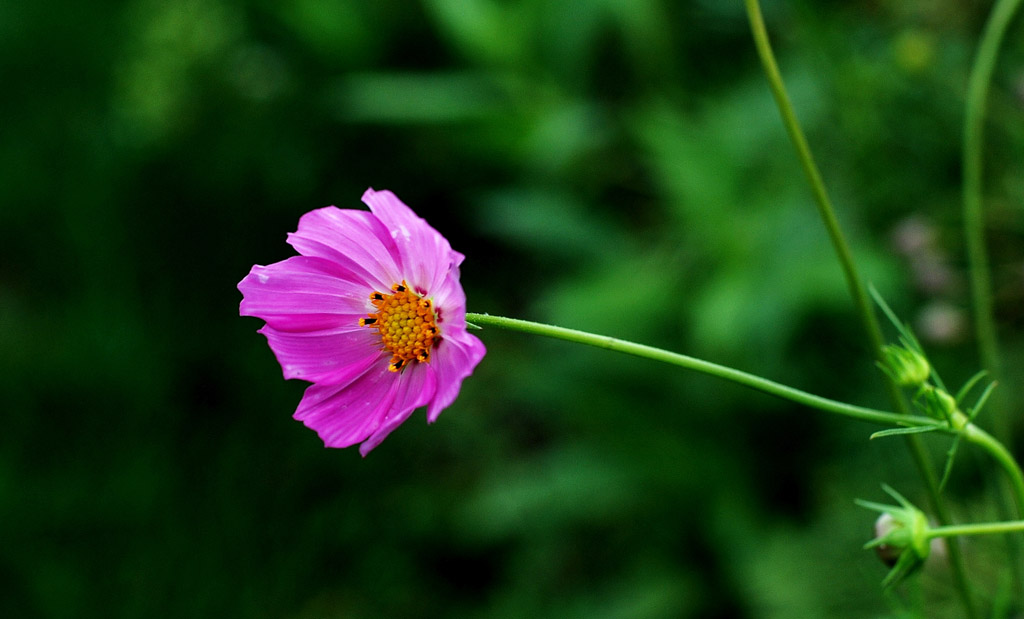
{"points": [[885, 370], [885, 307], [878, 507], [907, 337], [899, 497], [982, 400], [949, 462], [898, 431], [960, 395], [906, 565]]}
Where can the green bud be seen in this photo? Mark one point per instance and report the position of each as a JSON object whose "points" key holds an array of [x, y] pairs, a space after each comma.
{"points": [[901, 537], [938, 403], [899, 530], [907, 367]]}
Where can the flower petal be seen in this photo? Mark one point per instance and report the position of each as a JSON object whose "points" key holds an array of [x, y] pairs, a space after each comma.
{"points": [[453, 360], [324, 356], [303, 294], [416, 386], [345, 414], [356, 240], [369, 407], [312, 304], [426, 255], [450, 302]]}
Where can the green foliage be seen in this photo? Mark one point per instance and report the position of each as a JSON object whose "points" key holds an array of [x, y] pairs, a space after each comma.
{"points": [[614, 165]]}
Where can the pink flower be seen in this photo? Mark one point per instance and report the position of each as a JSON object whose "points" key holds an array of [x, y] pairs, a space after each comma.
{"points": [[371, 313]]}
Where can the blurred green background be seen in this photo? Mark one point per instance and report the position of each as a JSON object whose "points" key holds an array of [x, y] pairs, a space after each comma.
{"points": [[611, 165]]}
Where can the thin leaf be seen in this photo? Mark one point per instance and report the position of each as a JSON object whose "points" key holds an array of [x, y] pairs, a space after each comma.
{"points": [[960, 395], [907, 337], [982, 400], [878, 507], [898, 431], [899, 497], [909, 342], [906, 565], [885, 307], [885, 370], [949, 462]]}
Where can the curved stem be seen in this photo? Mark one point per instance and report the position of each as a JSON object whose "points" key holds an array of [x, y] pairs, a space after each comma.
{"points": [[1003, 456], [980, 528], [821, 199], [706, 367], [853, 282], [974, 225]]}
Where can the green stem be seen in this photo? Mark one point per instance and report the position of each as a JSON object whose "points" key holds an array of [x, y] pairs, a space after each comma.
{"points": [[983, 439], [974, 225], [980, 528], [821, 199], [853, 281], [706, 367]]}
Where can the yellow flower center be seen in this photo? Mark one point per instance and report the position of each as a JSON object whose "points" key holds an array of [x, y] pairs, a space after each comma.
{"points": [[406, 323]]}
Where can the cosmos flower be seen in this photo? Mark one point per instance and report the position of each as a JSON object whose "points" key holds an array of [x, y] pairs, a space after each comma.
{"points": [[372, 313]]}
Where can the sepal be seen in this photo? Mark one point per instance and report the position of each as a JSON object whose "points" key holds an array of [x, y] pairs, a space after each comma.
{"points": [[902, 537]]}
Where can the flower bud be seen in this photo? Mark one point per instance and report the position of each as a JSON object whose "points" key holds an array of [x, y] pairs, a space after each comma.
{"points": [[902, 538], [938, 403], [895, 533], [907, 367], [886, 553]]}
